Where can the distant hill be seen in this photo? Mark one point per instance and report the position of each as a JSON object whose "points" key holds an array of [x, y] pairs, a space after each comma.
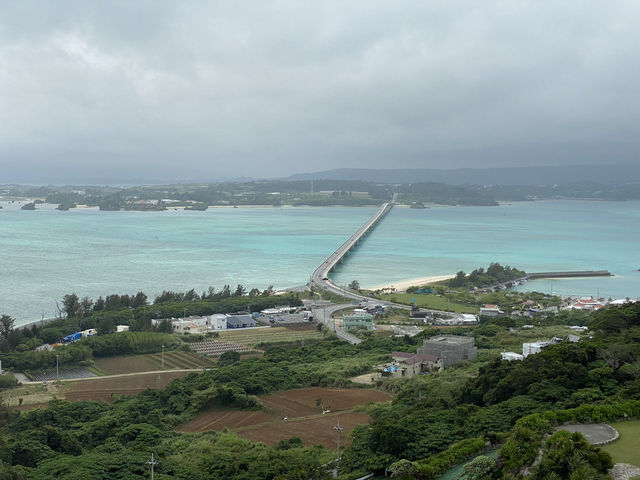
{"points": [[546, 175]]}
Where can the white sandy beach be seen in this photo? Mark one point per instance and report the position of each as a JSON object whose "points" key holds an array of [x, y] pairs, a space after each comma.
{"points": [[402, 285]]}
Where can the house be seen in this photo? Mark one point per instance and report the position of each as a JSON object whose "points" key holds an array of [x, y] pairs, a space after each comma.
{"points": [[407, 365], [578, 328], [533, 348], [241, 321], [586, 303], [511, 356], [44, 347], [122, 328], [491, 311], [357, 320], [452, 349], [468, 319], [218, 322], [183, 325], [410, 364]]}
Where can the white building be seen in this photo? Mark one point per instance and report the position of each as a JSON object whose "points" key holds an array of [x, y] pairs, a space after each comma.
{"points": [[218, 322], [491, 311], [577, 328], [510, 356], [468, 319], [533, 348], [122, 328]]}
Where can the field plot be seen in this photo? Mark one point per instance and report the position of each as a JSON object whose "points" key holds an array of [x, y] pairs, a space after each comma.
{"points": [[100, 389], [312, 431], [293, 413], [213, 348], [64, 373], [255, 336], [152, 362], [232, 419]]}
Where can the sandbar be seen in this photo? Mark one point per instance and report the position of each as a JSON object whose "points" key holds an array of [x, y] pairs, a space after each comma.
{"points": [[402, 285]]}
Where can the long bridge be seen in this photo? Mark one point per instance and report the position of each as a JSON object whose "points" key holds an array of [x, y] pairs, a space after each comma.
{"points": [[320, 277]]}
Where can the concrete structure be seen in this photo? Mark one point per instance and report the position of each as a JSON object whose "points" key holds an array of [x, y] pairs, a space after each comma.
{"points": [[511, 356], [452, 349], [357, 320], [533, 348], [44, 347], [578, 328], [491, 311], [217, 322], [122, 328], [241, 321], [407, 365]]}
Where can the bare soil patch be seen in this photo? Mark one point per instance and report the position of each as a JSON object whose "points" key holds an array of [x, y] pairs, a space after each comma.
{"points": [[312, 431], [125, 364], [100, 389], [220, 419], [294, 413]]}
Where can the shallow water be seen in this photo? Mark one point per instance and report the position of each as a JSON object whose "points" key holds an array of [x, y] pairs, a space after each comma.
{"points": [[46, 253]]}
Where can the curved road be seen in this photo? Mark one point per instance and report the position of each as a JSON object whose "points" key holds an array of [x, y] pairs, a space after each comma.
{"points": [[320, 279]]}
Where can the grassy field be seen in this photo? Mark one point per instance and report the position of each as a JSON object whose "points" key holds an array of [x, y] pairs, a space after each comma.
{"points": [[625, 449], [429, 301], [30, 394], [255, 336]]}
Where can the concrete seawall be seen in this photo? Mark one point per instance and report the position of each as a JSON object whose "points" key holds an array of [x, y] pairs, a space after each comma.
{"points": [[576, 274]]}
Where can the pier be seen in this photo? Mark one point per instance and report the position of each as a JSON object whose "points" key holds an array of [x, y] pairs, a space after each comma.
{"points": [[578, 274]]}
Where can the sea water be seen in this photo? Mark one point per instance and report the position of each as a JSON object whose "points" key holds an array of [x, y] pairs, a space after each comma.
{"points": [[532, 236], [46, 253]]}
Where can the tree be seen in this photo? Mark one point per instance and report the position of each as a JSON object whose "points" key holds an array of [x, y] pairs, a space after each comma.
{"points": [[479, 468], [354, 285], [228, 358], [6, 330], [71, 305], [240, 291]]}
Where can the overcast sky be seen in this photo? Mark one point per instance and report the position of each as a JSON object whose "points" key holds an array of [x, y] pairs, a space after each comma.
{"points": [[162, 90]]}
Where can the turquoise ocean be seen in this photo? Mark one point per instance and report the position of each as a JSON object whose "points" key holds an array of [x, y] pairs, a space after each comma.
{"points": [[46, 253]]}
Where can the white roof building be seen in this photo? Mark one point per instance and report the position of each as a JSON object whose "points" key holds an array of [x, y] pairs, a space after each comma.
{"points": [[511, 356]]}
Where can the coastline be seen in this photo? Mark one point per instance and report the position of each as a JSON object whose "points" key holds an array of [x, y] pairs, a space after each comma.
{"points": [[402, 285]]}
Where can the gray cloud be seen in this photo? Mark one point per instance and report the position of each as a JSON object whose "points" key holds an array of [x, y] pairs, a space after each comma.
{"points": [[193, 90]]}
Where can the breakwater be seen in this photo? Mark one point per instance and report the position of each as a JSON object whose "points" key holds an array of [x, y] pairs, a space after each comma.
{"points": [[575, 274]]}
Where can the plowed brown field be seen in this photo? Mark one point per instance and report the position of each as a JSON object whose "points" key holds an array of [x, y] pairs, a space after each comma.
{"points": [[101, 388], [304, 419]]}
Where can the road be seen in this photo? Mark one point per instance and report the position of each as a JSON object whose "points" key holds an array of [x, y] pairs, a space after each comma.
{"points": [[323, 314], [320, 277]]}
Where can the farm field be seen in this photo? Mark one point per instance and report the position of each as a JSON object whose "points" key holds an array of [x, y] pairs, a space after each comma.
{"points": [[625, 449], [152, 362], [63, 373], [255, 336], [293, 413], [100, 389]]}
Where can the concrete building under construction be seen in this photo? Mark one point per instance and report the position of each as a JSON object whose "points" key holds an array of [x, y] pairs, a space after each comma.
{"points": [[452, 349]]}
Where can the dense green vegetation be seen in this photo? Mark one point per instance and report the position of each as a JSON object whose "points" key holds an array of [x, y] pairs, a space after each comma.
{"points": [[594, 380], [495, 274], [325, 193], [434, 421], [17, 344], [69, 438]]}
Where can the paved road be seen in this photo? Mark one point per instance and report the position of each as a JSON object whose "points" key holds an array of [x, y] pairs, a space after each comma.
{"points": [[320, 277], [323, 314]]}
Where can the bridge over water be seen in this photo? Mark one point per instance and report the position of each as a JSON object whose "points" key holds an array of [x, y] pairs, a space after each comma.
{"points": [[320, 277]]}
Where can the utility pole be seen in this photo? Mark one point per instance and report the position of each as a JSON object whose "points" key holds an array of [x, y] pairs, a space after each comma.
{"points": [[163, 356], [338, 429], [57, 369], [152, 463]]}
